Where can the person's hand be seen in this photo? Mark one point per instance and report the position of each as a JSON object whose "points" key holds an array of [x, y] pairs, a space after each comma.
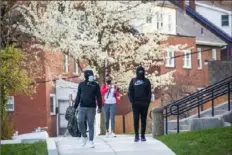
{"points": [[99, 110]]}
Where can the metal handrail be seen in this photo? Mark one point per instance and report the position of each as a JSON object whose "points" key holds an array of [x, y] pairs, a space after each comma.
{"points": [[194, 98], [206, 89], [198, 99]]}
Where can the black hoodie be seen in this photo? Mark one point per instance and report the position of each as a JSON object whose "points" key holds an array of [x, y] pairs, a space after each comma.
{"points": [[88, 93], [139, 91]]}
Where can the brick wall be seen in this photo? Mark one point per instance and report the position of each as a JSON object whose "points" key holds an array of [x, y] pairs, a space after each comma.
{"points": [[34, 111], [219, 70]]}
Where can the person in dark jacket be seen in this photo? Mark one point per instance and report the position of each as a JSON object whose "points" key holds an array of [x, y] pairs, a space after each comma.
{"points": [[139, 94], [88, 92]]}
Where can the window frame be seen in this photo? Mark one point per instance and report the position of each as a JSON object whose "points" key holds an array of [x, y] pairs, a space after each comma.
{"points": [[225, 20], [199, 58], [76, 68], [10, 98], [187, 52], [66, 63], [169, 22], [167, 58], [214, 54], [159, 20], [53, 112], [149, 20]]}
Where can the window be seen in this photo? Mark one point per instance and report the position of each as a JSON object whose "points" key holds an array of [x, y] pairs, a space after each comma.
{"points": [[159, 17], [65, 63], [225, 20], [199, 59], [10, 104], [149, 19], [187, 59], [52, 104], [169, 23], [202, 30], [170, 61], [75, 67], [214, 54]]}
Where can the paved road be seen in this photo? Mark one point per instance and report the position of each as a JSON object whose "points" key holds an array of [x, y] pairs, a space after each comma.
{"points": [[122, 145]]}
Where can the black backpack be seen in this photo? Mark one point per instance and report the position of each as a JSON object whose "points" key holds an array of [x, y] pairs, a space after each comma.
{"points": [[72, 122], [140, 91]]}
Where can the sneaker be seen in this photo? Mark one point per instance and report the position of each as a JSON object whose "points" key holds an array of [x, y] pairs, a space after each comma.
{"points": [[136, 138], [107, 134], [143, 139], [113, 135], [84, 141], [91, 144]]}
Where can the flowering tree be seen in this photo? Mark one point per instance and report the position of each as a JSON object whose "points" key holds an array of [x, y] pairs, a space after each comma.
{"points": [[100, 32]]}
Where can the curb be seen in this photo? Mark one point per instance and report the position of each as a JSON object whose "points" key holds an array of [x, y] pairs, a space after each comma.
{"points": [[51, 146]]}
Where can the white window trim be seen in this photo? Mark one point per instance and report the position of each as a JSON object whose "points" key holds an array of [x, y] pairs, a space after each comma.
{"points": [[167, 57], [54, 104], [169, 22], [12, 99], [159, 23], [149, 19], [199, 57], [76, 69], [190, 59], [214, 54], [66, 63]]}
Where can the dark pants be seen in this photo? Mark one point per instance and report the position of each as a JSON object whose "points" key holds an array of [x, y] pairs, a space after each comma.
{"points": [[140, 110]]}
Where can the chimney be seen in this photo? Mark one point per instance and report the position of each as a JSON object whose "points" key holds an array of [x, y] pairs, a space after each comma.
{"points": [[182, 4], [192, 5]]}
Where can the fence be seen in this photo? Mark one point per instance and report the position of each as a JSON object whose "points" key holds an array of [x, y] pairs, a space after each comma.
{"points": [[125, 123]]}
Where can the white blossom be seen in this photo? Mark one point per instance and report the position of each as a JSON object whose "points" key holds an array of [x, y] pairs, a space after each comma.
{"points": [[99, 31]]}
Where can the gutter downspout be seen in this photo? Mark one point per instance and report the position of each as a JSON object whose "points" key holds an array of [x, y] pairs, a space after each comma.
{"points": [[228, 48]]}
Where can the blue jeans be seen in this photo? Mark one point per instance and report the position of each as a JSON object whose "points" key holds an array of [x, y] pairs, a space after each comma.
{"points": [[109, 111]]}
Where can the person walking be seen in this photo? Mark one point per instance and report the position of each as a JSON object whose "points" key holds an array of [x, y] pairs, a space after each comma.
{"points": [[88, 92], [139, 93], [110, 93]]}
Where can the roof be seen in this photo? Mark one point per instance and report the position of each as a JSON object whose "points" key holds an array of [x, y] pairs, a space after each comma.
{"points": [[225, 5], [204, 22]]}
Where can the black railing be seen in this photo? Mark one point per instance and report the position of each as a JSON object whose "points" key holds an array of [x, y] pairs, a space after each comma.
{"points": [[197, 100]]}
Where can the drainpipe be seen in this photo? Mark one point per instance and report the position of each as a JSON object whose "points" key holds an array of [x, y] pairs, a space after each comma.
{"points": [[228, 48]]}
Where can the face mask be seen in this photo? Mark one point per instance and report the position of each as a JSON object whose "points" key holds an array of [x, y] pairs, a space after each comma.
{"points": [[108, 82], [91, 78]]}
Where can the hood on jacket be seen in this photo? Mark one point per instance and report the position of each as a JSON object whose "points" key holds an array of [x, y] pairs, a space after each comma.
{"points": [[140, 73], [87, 73]]}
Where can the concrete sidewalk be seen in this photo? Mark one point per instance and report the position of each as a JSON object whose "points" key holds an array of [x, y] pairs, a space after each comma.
{"points": [[122, 145]]}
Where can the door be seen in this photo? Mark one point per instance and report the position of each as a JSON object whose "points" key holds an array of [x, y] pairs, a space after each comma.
{"points": [[62, 122]]}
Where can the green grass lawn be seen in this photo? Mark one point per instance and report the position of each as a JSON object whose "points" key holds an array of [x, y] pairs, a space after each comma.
{"points": [[216, 141], [24, 149]]}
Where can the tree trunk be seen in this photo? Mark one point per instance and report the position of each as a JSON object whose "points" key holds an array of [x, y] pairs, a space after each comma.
{"points": [[102, 121]]}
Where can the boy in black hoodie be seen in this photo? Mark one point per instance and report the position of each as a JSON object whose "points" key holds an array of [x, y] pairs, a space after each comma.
{"points": [[87, 94], [139, 94]]}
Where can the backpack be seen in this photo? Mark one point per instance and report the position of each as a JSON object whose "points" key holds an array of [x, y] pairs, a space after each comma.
{"points": [[140, 91], [70, 112], [72, 122], [73, 127]]}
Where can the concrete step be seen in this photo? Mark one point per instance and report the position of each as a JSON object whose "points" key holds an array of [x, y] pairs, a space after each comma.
{"points": [[182, 127], [175, 131]]}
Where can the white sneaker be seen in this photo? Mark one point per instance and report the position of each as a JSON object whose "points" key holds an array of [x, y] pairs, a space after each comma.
{"points": [[107, 134], [91, 144], [113, 135], [84, 141]]}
